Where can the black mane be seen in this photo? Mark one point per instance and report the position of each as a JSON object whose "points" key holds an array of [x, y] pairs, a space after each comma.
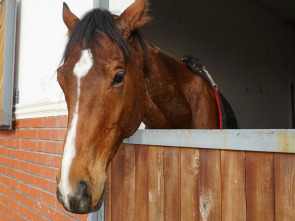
{"points": [[85, 32]]}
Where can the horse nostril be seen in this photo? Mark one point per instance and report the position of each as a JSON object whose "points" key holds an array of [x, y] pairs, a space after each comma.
{"points": [[83, 187]]}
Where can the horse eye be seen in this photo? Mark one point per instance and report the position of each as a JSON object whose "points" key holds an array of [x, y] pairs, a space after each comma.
{"points": [[119, 77]]}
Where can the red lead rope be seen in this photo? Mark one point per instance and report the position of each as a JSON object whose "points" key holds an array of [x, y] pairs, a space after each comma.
{"points": [[218, 104]]}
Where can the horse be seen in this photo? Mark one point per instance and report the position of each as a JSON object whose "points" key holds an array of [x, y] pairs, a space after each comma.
{"points": [[113, 79]]}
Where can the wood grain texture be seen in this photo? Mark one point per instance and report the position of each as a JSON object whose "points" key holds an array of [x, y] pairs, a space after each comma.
{"points": [[128, 187], [172, 184], [190, 165], [233, 185], [210, 185], [2, 44], [117, 185], [156, 183], [141, 182], [108, 195], [284, 165], [260, 186]]}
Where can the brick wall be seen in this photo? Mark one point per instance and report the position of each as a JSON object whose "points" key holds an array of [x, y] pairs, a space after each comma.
{"points": [[29, 161]]}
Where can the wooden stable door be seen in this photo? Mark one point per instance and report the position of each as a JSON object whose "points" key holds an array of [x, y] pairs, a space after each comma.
{"points": [[2, 41]]}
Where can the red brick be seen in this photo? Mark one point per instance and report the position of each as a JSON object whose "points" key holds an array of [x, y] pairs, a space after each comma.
{"points": [[30, 179], [3, 217], [19, 197], [43, 134], [55, 215], [37, 122], [2, 189], [55, 161], [81, 217], [9, 192], [52, 187], [36, 145], [35, 169], [44, 219], [21, 133], [24, 166], [14, 184], [1, 141], [10, 172], [2, 151], [25, 144], [15, 143], [35, 193], [13, 205], [14, 163], [29, 202], [31, 134], [20, 154], [17, 217], [48, 172], [8, 212], [41, 208], [49, 199], [50, 147], [60, 148], [24, 188], [17, 123], [42, 158], [58, 134], [42, 183], [26, 123], [6, 161], [5, 200], [11, 134], [50, 122], [31, 156], [62, 121], [19, 175], [10, 152], [6, 180], [22, 210]]}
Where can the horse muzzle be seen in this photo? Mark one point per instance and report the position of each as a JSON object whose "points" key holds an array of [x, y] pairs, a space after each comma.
{"points": [[80, 201]]}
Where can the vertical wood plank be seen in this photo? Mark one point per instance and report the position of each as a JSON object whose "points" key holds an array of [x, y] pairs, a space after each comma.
{"points": [[190, 161], [210, 185], [108, 195], [260, 186], [128, 187], [156, 183], [284, 186], [117, 184], [2, 43], [141, 183], [233, 185], [172, 183]]}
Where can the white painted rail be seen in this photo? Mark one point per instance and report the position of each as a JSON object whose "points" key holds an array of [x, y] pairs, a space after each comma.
{"points": [[282, 141]]}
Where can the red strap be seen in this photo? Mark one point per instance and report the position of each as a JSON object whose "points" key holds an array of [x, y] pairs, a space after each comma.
{"points": [[218, 104]]}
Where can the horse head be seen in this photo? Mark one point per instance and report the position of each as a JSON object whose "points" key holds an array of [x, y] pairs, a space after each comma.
{"points": [[102, 79]]}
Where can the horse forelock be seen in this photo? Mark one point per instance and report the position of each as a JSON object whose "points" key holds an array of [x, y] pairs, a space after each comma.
{"points": [[87, 31]]}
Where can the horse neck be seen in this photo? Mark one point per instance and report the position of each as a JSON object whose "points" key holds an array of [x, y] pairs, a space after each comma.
{"points": [[166, 104]]}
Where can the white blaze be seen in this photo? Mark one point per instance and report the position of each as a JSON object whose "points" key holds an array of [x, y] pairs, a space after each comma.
{"points": [[80, 70]]}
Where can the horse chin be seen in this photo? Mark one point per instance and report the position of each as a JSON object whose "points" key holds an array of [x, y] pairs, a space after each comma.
{"points": [[98, 205]]}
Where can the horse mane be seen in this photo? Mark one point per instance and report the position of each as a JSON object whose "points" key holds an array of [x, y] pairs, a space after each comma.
{"points": [[88, 29]]}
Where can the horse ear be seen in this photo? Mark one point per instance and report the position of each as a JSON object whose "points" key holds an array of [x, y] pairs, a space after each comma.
{"points": [[134, 16], [69, 18]]}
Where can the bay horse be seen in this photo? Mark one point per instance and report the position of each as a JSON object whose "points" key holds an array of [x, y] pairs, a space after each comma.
{"points": [[113, 80]]}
